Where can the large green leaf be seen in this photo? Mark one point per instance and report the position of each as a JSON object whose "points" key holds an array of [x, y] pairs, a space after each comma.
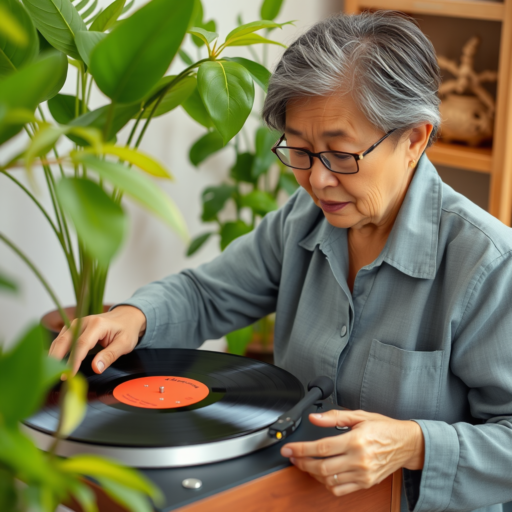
{"points": [[17, 90], [97, 119], [227, 91], [259, 202], [238, 340], [231, 231], [205, 35], [62, 108], [128, 63], [20, 454], [59, 22], [21, 376], [86, 41], [136, 157], [270, 9], [195, 108], [265, 139], [214, 199], [74, 404], [250, 39], [108, 16], [100, 467], [205, 146], [260, 74], [175, 96], [249, 28], [139, 187], [197, 243], [14, 55], [242, 170], [100, 223], [129, 499]]}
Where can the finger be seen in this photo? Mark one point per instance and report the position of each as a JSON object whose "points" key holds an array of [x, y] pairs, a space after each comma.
{"points": [[335, 418], [61, 344], [111, 353], [320, 467], [326, 447], [93, 329], [342, 490]]}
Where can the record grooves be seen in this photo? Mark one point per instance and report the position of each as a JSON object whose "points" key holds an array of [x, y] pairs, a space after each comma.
{"points": [[226, 404]]}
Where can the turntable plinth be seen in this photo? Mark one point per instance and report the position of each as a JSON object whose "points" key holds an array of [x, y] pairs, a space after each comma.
{"points": [[292, 489]]}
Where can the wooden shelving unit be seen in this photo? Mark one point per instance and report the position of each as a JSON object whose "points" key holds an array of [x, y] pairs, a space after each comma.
{"points": [[496, 161]]}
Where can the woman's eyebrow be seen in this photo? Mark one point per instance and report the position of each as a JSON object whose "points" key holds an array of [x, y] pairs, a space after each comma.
{"points": [[327, 133]]}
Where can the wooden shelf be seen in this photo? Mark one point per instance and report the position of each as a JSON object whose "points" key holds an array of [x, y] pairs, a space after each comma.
{"points": [[462, 157], [482, 10]]}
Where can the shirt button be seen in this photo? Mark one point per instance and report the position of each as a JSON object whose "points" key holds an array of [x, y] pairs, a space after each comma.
{"points": [[343, 330]]}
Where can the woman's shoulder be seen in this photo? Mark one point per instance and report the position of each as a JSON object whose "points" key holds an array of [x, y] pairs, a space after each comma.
{"points": [[467, 225]]}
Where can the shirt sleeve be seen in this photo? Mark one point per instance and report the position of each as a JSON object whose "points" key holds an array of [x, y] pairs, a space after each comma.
{"points": [[232, 291], [469, 466]]}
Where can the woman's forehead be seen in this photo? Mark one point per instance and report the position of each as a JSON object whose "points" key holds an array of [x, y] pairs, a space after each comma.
{"points": [[328, 117]]}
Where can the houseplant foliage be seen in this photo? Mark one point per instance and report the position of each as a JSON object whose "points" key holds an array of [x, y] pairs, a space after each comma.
{"points": [[127, 60], [41, 42], [253, 184], [31, 480]]}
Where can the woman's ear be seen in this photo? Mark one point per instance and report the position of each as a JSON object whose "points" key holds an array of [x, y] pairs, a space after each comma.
{"points": [[417, 141]]}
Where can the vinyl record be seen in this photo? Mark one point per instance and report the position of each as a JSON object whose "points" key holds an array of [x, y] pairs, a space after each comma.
{"points": [[176, 397]]}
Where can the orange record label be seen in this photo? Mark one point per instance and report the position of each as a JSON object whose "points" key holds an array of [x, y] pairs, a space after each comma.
{"points": [[161, 392]]}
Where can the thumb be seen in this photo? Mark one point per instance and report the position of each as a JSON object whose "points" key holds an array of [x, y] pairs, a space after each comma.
{"points": [[111, 353], [335, 418]]}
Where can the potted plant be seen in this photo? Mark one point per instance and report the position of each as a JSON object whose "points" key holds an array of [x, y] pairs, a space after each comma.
{"points": [[253, 185], [86, 185], [126, 59]]}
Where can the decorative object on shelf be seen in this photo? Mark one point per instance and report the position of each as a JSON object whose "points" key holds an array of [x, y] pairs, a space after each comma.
{"points": [[467, 109]]}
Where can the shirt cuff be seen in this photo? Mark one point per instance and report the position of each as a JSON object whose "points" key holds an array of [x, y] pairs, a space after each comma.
{"points": [[149, 312], [439, 469]]}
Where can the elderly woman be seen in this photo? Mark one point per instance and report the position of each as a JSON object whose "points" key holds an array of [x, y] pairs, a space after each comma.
{"points": [[381, 276]]}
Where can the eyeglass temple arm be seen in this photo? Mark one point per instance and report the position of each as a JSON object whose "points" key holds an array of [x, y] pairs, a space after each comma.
{"points": [[371, 148]]}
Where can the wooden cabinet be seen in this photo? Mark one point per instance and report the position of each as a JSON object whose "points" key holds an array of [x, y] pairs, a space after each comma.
{"points": [[495, 161]]}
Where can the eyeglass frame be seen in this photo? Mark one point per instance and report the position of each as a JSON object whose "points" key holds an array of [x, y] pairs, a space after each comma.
{"points": [[357, 156]]}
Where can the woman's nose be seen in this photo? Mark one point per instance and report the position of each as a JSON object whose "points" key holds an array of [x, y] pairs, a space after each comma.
{"points": [[321, 177]]}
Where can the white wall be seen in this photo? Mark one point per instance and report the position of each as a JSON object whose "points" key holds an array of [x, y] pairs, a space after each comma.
{"points": [[151, 251]]}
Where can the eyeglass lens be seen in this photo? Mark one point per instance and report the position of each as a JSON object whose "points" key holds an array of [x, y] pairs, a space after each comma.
{"points": [[337, 162]]}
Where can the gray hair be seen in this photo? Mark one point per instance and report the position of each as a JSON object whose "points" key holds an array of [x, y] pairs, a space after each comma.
{"points": [[383, 59]]}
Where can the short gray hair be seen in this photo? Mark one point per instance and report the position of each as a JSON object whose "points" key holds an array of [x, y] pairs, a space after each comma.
{"points": [[383, 59]]}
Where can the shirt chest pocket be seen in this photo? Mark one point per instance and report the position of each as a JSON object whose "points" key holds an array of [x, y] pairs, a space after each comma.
{"points": [[402, 384]]}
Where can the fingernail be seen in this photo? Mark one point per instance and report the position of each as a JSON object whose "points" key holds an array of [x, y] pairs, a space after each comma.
{"points": [[100, 365], [292, 460], [286, 452], [317, 416]]}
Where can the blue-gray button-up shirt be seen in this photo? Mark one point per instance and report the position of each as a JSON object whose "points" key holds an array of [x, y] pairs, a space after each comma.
{"points": [[426, 333]]}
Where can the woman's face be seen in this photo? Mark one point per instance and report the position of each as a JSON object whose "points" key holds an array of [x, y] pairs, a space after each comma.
{"points": [[372, 196]]}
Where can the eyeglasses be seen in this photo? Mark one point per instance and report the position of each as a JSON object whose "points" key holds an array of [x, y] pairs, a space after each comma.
{"points": [[336, 161]]}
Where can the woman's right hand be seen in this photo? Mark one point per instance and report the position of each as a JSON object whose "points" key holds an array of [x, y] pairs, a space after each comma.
{"points": [[118, 331]]}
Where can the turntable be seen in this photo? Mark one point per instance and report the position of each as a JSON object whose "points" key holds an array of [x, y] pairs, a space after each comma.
{"points": [[205, 426]]}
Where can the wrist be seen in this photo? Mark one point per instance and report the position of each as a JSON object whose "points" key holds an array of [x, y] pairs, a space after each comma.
{"points": [[136, 315], [416, 447]]}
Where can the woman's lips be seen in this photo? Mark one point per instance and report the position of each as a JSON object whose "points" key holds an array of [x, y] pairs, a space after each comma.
{"points": [[330, 206]]}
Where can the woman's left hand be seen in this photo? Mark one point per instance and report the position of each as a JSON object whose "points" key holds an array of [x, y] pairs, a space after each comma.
{"points": [[375, 447]]}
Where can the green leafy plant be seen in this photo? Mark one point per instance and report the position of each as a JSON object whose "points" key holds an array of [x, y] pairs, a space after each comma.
{"points": [[127, 60], [40, 42], [255, 179]]}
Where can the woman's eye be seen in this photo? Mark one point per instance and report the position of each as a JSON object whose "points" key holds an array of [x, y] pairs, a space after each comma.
{"points": [[299, 153], [341, 156]]}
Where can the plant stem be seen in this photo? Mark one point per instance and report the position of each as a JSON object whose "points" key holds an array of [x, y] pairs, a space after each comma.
{"points": [[38, 274]]}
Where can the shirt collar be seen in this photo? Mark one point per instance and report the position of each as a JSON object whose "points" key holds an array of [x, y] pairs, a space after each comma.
{"points": [[412, 244]]}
